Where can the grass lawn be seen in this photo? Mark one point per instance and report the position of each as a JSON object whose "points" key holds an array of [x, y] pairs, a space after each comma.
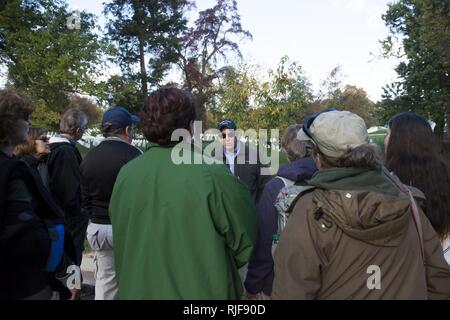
{"points": [[83, 150]]}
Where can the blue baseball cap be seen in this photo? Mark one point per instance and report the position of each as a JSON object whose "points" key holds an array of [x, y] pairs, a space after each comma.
{"points": [[119, 117], [227, 124]]}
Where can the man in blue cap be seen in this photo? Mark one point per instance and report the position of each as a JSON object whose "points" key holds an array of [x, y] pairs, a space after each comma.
{"points": [[99, 171], [237, 156]]}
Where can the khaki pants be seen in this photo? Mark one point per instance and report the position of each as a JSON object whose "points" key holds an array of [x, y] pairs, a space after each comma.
{"points": [[100, 239]]}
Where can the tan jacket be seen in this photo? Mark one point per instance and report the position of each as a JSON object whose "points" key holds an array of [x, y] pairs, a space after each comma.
{"points": [[360, 245]]}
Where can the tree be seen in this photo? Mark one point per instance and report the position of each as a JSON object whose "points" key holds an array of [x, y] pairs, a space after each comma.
{"points": [[423, 27], [236, 96], [355, 100], [46, 59], [350, 98], [278, 101], [146, 27], [120, 90], [92, 110], [285, 97], [203, 58], [332, 85]]}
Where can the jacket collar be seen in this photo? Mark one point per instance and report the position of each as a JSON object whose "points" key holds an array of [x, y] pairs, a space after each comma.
{"points": [[61, 139], [355, 179], [120, 140]]}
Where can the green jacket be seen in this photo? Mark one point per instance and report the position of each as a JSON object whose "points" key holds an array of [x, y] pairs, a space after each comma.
{"points": [[180, 231]]}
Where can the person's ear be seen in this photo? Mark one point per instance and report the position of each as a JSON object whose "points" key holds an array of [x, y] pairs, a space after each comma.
{"points": [[317, 160]]}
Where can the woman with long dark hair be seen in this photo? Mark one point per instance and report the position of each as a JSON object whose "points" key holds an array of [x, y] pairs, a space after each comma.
{"points": [[356, 233], [411, 153]]}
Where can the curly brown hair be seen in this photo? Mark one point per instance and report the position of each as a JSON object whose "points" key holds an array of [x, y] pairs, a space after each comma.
{"points": [[14, 106], [412, 154], [164, 111]]}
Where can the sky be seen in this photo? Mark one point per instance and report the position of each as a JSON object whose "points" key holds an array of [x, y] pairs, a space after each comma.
{"points": [[318, 34]]}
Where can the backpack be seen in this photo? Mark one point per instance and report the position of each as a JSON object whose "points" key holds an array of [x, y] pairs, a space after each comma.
{"points": [[284, 203]]}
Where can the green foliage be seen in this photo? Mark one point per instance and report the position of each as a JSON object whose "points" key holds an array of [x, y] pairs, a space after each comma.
{"points": [[423, 27], [44, 58], [146, 27], [236, 96], [276, 102], [42, 117], [378, 139], [121, 90], [83, 150]]}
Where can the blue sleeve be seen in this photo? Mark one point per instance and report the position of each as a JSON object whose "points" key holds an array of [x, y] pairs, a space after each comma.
{"points": [[260, 270]]}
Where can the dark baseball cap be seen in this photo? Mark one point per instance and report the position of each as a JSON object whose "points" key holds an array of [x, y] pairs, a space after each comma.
{"points": [[119, 117], [227, 124]]}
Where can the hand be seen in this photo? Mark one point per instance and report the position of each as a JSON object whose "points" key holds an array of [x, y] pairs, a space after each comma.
{"points": [[75, 294]]}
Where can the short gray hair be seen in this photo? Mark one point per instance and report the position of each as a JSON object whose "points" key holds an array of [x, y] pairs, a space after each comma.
{"points": [[72, 120]]}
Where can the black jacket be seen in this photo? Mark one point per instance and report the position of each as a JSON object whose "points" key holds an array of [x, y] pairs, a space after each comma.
{"points": [[26, 211], [64, 176], [99, 171], [40, 165], [247, 172]]}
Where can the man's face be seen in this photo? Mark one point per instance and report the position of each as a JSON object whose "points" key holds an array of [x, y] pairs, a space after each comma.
{"points": [[80, 132], [228, 139]]}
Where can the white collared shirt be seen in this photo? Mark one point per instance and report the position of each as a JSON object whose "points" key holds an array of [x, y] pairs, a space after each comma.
{"points": [[231, 156]]}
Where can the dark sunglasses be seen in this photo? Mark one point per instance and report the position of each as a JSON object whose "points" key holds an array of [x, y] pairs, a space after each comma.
{"points": [[230, 134]]}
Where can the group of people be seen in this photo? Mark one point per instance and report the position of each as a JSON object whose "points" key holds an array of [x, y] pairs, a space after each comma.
{"points": [[334, 223]]}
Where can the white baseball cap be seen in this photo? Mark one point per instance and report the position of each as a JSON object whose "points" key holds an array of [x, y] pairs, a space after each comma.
{"points": [[335, 132]]}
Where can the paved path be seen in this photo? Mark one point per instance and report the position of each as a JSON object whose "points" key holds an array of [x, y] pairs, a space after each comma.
{"points": [[88, 269]]}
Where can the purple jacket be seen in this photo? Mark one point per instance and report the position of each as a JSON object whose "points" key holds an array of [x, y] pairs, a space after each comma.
{"points": [[260, 269]]}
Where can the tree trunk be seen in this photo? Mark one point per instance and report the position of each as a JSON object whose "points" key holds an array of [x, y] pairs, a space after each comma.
{"points": [[448, 125], [143, 70], [200, 107]]}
